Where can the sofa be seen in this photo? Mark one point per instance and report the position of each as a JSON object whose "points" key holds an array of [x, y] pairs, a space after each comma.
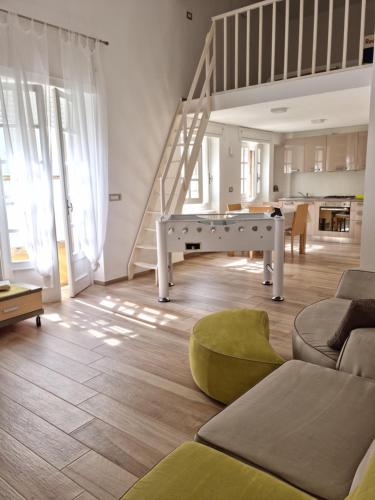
{"points": [[306, 431], [315, 324]]}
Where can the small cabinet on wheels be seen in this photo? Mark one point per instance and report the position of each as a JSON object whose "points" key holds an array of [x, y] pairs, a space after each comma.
{"points": [[20, 302]]}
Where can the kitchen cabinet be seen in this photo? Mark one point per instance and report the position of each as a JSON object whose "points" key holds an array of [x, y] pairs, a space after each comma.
{"points": [[362, 150], [315, 153], [341, 152], [294, 153], [356, 230]]}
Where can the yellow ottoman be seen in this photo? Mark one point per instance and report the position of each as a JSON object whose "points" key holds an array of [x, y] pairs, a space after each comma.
{"points": [[230, 353], [196, 472]]}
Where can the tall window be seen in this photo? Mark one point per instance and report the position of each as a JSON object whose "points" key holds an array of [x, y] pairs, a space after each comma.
{"points": [[195, 191], [13, 219], [251, 169], [199, 188]]}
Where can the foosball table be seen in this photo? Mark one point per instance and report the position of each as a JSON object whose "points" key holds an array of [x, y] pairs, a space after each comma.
{"points": [[222, 233]]}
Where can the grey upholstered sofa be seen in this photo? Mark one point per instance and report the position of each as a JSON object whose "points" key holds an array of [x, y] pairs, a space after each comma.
{"points": [[308, 425], [315, 324]]}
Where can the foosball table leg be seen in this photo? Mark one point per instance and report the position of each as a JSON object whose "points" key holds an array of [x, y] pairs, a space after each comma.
{"points": [[267, 268]]}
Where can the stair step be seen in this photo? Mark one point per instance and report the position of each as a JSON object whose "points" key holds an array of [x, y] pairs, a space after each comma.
{"points": [[153, 212], [146, 265], [146, 247], [151, 229]]}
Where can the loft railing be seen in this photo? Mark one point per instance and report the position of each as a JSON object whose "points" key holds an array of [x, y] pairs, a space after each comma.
{"points": [[281, 39]]}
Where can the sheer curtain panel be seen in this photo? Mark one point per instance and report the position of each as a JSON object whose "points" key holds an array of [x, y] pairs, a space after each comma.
{"points": [[24, 77], [86, 144], [37, 65]]}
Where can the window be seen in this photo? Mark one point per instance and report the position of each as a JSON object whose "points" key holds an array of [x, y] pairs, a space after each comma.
{"points": [[250, 171], [199, 189], [17, 243], [195, 191]]}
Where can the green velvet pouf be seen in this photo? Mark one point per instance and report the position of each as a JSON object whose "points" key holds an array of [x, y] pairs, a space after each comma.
{"points": [[197, 472], [230, 353]]}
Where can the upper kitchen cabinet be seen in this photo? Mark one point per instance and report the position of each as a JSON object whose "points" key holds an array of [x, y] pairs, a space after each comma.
{"points": [[362, 150], [342, 152], [315, 153], [294, 154]]}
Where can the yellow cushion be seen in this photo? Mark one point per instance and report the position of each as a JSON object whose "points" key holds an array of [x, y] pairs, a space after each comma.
{"points": [[197, 472], [230, 353], [366, 488]]}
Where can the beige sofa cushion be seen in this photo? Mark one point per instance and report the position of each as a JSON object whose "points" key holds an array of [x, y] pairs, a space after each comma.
{"points": [[306, 424], [356, 284], [313, 327], [358, 354]]}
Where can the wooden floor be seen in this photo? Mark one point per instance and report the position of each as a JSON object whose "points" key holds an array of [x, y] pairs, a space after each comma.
{"points": [[99, 394]]}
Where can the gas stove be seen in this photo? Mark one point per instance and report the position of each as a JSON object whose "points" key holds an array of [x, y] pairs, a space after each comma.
{"points": [[340, 197]]}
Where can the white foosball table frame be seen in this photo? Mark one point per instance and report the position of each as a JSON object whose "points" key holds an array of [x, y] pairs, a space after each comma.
{"points": [[221, 233]]}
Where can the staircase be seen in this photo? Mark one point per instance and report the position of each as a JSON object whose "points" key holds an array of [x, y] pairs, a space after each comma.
{"points": [[178, 160]]}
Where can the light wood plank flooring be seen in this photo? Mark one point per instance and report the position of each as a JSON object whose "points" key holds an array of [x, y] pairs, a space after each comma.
{"points": [[99, 394]]}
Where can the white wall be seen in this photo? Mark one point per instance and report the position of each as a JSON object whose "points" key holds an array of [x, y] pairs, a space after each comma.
{"points": [[328, 183], [368, 225], [149, 65]]}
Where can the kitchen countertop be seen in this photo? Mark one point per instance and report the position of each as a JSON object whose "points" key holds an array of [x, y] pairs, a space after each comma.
{"points": [[318, 198]]}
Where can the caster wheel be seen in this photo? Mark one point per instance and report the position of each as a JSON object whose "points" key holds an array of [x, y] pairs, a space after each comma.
{"points": [[38, 321]]}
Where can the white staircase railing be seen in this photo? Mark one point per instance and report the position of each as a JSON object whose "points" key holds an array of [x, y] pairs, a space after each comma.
{"points": [[180, 155]]}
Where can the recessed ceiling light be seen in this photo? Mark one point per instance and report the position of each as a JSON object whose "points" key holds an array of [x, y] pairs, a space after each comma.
{"points": [[279, 110], [319, 120]]}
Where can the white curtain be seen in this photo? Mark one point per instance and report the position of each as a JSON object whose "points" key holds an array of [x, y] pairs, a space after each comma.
{"points": [[23, 86], [86, 145], [32, 62]]}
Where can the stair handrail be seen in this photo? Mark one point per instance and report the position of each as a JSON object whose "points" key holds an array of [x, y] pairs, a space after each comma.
{"points": [[185, 158], [205, 93], [157, 174]]}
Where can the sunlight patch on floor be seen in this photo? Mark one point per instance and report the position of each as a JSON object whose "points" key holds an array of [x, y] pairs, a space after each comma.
{"points": [[255, 267]]}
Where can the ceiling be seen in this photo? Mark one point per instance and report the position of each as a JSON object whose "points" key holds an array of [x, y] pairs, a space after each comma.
{"points": [[342, 108]]}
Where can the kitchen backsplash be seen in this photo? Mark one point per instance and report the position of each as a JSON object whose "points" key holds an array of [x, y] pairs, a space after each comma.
{"points": [[325, 183]]}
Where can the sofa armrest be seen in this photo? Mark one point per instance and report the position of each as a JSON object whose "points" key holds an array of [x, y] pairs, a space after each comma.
{"points": [[358, 354], [356, 284]]}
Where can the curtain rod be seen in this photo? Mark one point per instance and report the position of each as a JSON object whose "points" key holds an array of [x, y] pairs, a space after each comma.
{"points": [[55, 26]]}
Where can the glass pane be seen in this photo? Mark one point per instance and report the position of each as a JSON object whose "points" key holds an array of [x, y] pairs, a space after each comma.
{"points": [[194, 189], [16, 236], [2, 144], [34, 108]]}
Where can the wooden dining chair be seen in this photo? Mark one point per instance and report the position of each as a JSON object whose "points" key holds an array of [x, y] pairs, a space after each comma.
{"points": [[234, 206], [299, 228]]}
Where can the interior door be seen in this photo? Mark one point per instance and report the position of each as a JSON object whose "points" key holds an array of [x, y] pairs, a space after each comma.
{"points": [[79, 271]]}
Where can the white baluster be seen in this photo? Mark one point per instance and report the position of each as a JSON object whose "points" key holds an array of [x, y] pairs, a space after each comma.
{"points": [[248, 48], [345, 43], [286, 41], [260, 44], [315, 35], [300, 37], [273, 41]]}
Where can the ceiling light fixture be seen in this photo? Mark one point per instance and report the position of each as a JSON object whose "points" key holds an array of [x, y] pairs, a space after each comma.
{"points": [[319, 120], [279, 110]]}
